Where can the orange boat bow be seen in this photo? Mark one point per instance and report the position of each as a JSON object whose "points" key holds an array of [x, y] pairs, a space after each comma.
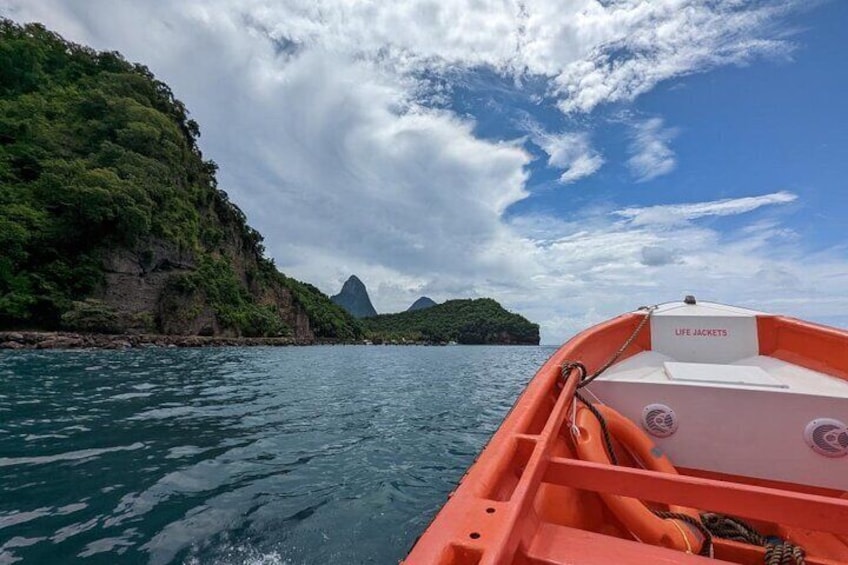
{"points": [[529, 500]]}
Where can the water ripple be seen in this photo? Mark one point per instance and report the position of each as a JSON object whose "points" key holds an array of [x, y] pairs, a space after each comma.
{"points": [[70, 456], [258, 456]]}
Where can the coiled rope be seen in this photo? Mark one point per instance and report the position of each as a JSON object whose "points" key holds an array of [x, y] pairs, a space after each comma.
{"points": [[778, 551]]}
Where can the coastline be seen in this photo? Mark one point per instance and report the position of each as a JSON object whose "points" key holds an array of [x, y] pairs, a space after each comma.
{"points": [[12, 340], [38, 339]]}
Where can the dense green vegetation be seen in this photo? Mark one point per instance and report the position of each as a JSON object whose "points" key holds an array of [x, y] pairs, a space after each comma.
{"points": [[464, 321], [234, 306], [327, 319], [96, 154]]}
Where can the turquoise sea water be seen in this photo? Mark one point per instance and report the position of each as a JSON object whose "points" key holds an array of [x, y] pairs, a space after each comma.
{"points": [[241, 455]]}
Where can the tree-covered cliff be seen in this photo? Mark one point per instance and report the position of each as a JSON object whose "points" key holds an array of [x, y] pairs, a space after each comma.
{"points": [[478, 321], [110, 218]]}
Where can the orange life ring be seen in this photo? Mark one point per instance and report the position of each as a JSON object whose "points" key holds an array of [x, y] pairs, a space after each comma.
{"points": [[633, 513]]}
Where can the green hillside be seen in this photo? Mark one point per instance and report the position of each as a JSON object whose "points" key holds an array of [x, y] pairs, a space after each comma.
{"points": [[478, 321], [110, 218]]}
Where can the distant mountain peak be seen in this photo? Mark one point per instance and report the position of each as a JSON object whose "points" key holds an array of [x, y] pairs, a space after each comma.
{"points": [[421, 304], [354, 298]]}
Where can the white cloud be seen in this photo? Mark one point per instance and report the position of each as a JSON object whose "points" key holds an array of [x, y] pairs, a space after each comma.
{"points": [[571, 152], [597, 265], [629, 47], [670, 214], [593, 52], [651, 156], [355, 172]]}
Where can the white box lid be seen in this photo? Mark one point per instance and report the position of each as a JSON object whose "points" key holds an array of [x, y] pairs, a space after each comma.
{"points": [[710, 373]]}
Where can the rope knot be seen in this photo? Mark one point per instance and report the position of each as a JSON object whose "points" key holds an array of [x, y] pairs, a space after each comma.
{"points": [[570, 366]]}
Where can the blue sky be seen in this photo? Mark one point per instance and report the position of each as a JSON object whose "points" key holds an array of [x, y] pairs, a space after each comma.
{"points": [[571, 160]]}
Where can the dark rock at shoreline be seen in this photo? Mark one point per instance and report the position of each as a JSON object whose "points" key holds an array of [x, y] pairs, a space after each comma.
{"points": [[70, 340]]}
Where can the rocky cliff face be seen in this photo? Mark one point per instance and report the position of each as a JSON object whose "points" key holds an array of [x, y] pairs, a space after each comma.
{"points": [[354, 298], [139, 288], [134, 282]]}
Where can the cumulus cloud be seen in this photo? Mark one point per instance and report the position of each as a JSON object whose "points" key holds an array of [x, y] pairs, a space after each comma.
{"points": [[592, 52], [571, 152], [361, 173], [651, 156]]}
